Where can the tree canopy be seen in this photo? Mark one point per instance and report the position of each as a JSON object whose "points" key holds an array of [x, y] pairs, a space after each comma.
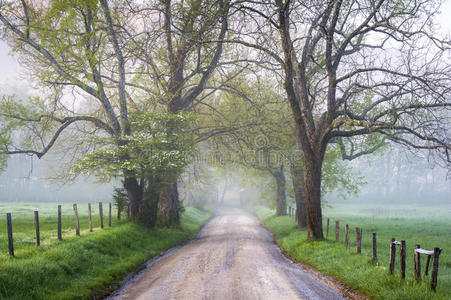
{"points": [[130, 88]]}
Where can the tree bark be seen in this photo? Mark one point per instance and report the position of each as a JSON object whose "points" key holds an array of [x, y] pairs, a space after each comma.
{"points": [[297, 176], [150, 202], [169, 205], [313, 166], [281, 202], [143, 199], [134, 192]]}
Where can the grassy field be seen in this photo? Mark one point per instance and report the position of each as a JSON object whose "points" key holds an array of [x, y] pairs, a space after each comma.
{"points": [[429, 227], [24, 235], [79, 267]]}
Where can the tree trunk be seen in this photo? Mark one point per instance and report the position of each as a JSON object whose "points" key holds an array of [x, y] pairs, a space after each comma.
{"points": [[281, 202], [297, 176], [143, 199], [134, 192], [169, 205], [150, 202], [313, 166]]}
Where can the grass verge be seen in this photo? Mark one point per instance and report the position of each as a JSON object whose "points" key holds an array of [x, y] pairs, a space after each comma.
{"points": [[80, 267], [358, 271]]}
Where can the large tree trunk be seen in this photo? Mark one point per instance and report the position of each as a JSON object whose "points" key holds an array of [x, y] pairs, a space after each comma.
{"points": [[150, 202], [281, 202], [313, 166], [169, 205], [134, 192], [143, 199], [297, 176]]}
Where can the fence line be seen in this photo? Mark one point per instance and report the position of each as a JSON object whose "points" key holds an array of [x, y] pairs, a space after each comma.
{"points": [[59, 224], [431, 254], [393, 244]]}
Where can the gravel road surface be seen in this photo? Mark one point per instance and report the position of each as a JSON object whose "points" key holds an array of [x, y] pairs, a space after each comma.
{"points": [[234, 257]]}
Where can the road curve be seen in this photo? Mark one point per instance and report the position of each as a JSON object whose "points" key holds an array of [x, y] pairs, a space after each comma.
{"points": [[234, 257]]}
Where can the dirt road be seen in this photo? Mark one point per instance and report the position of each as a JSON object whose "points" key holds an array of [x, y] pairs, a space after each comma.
{"points": [[233, 258]]}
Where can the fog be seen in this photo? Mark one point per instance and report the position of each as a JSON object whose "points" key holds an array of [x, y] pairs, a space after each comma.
{"points": [[397, 176], [29, 179], [394, 176]]}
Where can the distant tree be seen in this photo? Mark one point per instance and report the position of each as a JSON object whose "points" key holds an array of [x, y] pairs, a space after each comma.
{"points": [[257, 134], [251, 115]]}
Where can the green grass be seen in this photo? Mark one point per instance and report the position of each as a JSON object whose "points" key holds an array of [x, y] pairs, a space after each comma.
{"points": [[80, 267], [358, 271], [24, 235]]}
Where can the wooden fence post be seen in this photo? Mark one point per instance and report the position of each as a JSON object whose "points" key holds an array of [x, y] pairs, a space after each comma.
{"points": [[109, 215], [9, 227], [90, 217], [327, 228], [358, 242], [347, 236], [77, 223], [435, 268], [60, 236], [416, 259], [374, 247], [426, 271], [392, 255], [36, 226], [402, 259], [101, 214], [118, 212], [337, 231]]}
